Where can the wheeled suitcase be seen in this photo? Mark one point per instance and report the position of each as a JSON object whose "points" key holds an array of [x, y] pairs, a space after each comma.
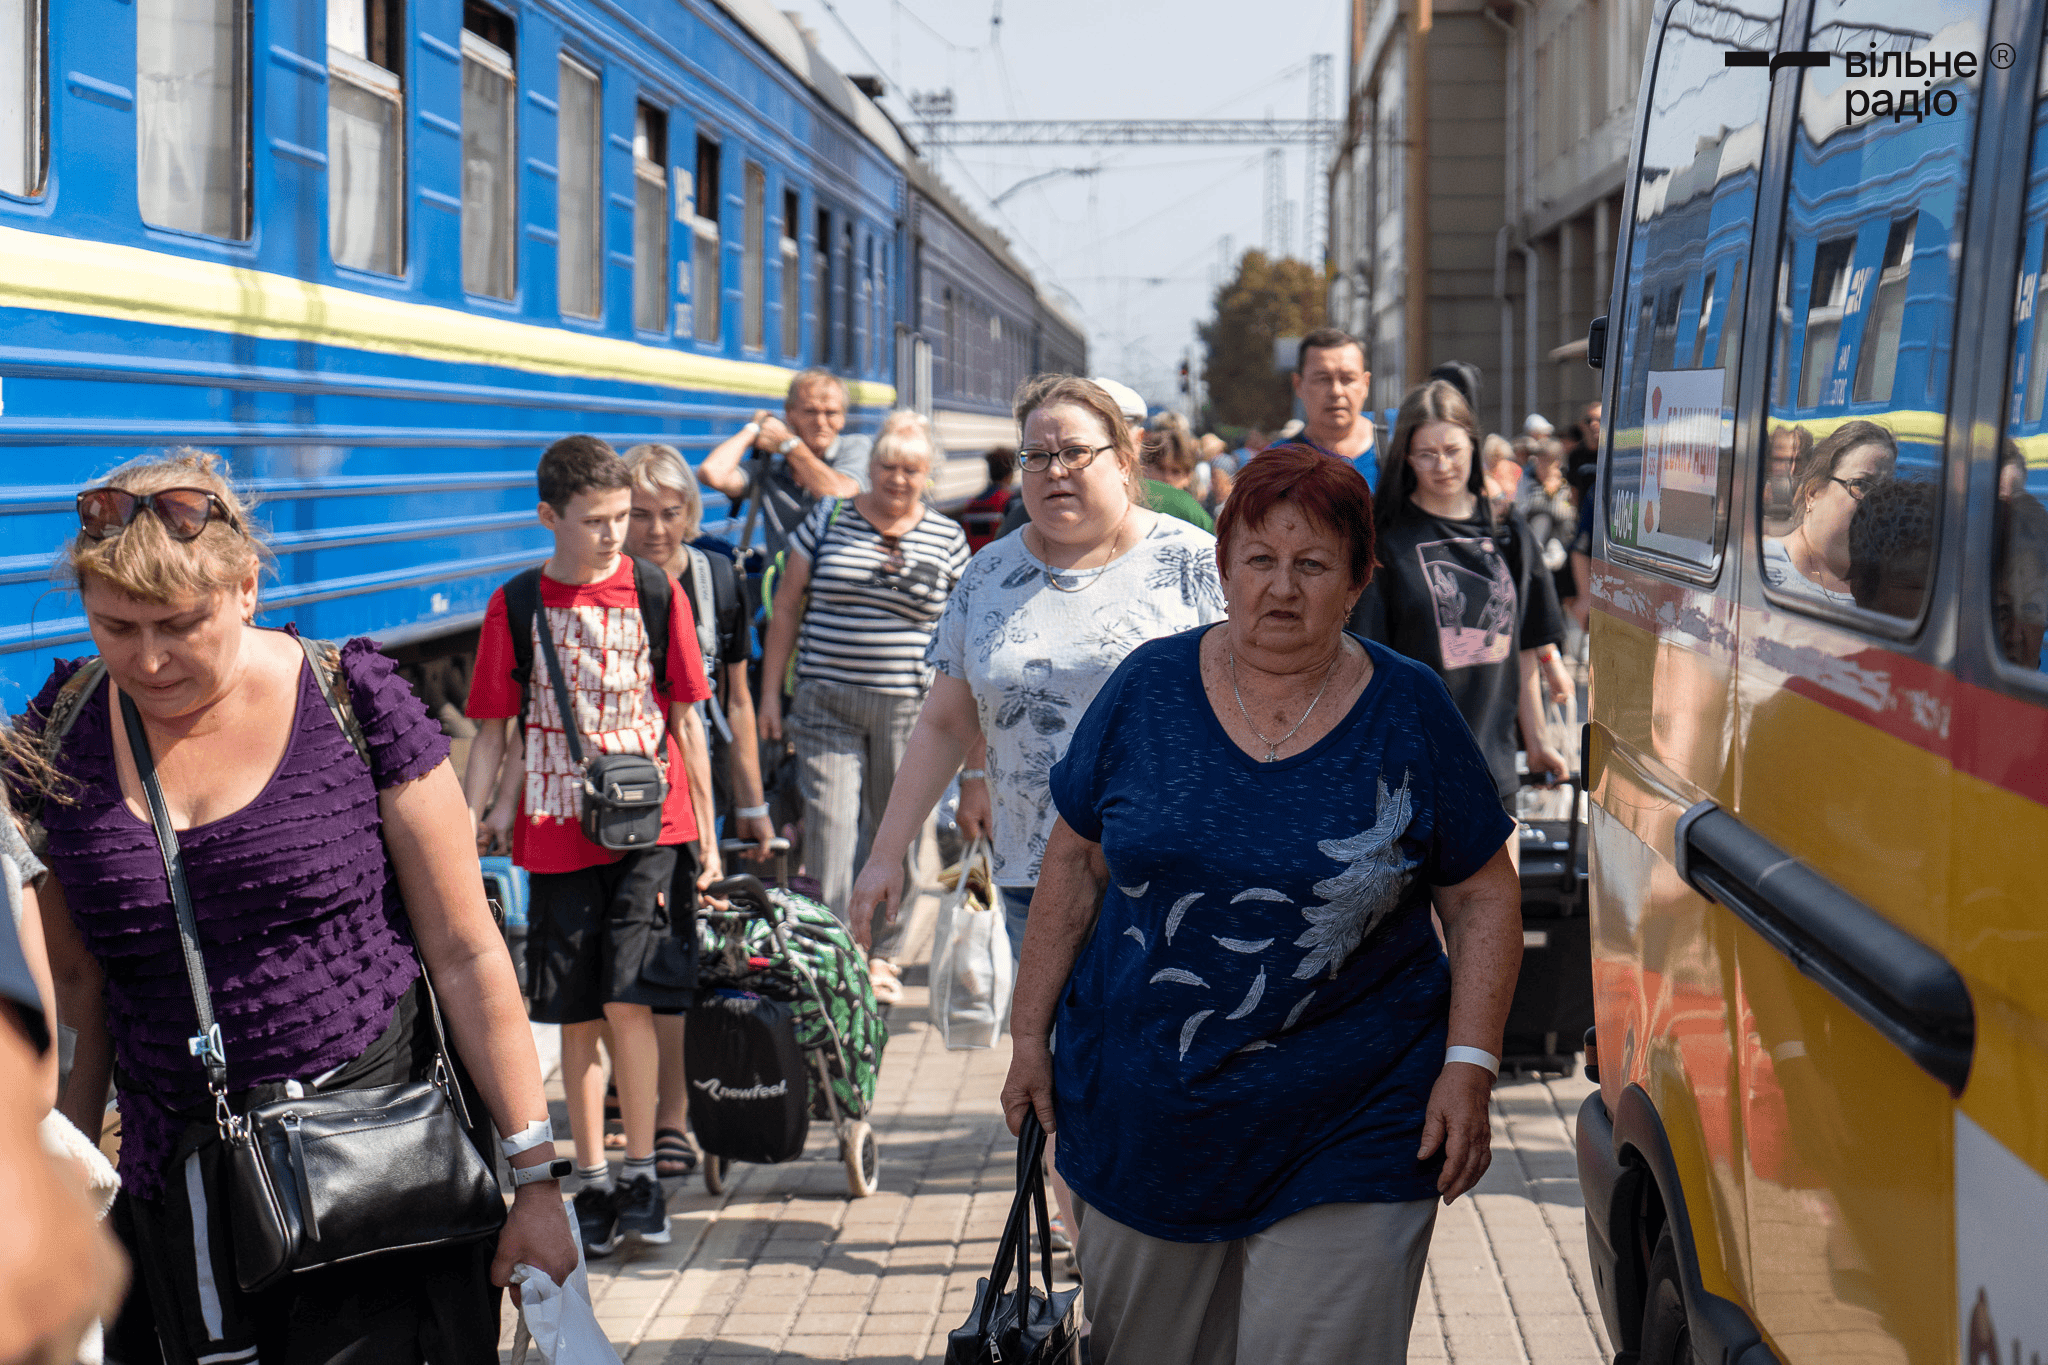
{"points": [[1553, 1002]]}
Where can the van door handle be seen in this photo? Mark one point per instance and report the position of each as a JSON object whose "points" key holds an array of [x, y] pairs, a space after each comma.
{"points": [[1898, 985]]}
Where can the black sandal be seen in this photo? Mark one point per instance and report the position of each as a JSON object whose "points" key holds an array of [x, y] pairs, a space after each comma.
{"points": [[674, 1153]]}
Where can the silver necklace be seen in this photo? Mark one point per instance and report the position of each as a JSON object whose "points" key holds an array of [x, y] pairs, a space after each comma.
{"points": [[1272, 745], [1052, 575]]}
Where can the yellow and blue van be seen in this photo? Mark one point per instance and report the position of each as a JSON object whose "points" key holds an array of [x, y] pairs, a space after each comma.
{"points": [[1818, 752]]}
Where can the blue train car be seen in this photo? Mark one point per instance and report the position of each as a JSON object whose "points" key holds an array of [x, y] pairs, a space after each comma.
{"points": [[378, 254]]}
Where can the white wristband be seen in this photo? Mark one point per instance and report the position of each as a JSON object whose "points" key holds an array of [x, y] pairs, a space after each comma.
{"points": [[759, 812], [751, 429], [1478, 1056], [526, 1139], [974, 774]]}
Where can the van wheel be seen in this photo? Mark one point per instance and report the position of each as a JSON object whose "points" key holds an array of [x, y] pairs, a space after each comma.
{"points": [[1667, 1336]]}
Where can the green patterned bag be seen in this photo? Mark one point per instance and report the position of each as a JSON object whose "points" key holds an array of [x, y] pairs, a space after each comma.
{"points": [[823, 977]]}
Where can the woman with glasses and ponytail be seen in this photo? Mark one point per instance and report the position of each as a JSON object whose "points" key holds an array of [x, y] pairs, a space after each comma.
{"points": [[328, 854], [1812, 559]]}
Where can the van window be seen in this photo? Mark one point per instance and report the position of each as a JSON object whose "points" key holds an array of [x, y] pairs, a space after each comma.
{"points": [[1695, 205], [2019, 542], [1866, 303]]}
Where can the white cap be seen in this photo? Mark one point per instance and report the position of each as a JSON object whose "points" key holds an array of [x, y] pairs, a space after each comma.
{"points": [[1288, 432], [1125, 398], [1536, 424]]}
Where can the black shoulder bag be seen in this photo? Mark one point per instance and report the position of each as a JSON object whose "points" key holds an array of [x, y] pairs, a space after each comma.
{"points": [[1021, 1326], [325, 1178], [622, 793]]}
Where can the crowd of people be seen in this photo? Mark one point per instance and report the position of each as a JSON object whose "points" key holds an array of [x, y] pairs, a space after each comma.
{"points": [[1241, 734]]}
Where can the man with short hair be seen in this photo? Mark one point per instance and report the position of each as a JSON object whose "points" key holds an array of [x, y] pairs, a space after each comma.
{"points": [[807, 455], [1333, 384]]}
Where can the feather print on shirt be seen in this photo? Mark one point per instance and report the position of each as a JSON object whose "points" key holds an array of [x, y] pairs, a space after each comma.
{"points": [[1360, 896]]}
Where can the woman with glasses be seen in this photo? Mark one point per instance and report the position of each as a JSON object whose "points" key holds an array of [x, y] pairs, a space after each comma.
{"points": [[866, 579], [1812, 559], [1462, 589], [316, 865]]}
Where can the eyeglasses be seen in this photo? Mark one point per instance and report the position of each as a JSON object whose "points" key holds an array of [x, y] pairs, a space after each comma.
{"points": [[1073, 457], [104, 512], [1420, 456], [1859, 488]]}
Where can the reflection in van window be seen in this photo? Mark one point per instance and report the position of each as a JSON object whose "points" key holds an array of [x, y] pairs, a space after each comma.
{"points": [[1866, 310], [2019, 542], [1815, 559], [1695, 206]]}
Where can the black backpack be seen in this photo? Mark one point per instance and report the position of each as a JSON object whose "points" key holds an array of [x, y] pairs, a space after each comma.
{"points": [[749, 1086], [522, 604]]}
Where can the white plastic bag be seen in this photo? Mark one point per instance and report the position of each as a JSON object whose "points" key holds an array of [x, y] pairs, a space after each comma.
{"points": [[971, 969], [558, 1318]]}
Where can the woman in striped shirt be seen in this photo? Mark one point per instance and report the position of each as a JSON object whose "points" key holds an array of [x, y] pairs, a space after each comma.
{"points": [[866, 580]]}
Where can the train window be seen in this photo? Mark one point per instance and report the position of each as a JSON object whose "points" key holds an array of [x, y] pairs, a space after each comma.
{"points": [[824, 300], [754, 261], [707, 279], [1867, 282], [846, 298], [1672, 454], [490, 188], [579, 189], [24, 99], [792, 276], [1879, 363], [2019, 541], [192, 115], [878, 303], [365, 136], [650, 218]]}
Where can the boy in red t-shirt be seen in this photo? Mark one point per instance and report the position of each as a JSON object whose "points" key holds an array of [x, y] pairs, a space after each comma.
{"points": [[599, 919]]}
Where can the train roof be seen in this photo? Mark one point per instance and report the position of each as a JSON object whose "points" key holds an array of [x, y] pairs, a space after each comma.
{"points": [[924, 178], [780, 34]]}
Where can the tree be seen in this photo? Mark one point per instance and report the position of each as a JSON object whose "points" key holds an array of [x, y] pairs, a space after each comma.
{"points": [[1269, 298]]}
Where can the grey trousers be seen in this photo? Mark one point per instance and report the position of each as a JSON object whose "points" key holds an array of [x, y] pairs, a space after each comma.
{"points": [[1332, 1285], [849, 743]]}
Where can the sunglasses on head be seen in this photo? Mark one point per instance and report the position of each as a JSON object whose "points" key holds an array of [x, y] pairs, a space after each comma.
{"points": [[184, 512]]}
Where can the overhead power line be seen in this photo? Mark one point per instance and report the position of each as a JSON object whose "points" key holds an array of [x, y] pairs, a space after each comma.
{"points": [[1262, 132]]}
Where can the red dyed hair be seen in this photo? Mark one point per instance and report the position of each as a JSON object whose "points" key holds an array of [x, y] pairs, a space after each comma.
{"points": [[1329, 491]]}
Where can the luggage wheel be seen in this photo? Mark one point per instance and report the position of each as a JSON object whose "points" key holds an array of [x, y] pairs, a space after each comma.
{"points": [[716, 1168], [862, 1156]]}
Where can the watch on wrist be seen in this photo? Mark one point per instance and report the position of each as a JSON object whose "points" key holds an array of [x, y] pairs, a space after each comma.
{"points": [[558, 1169], [791, 444]]}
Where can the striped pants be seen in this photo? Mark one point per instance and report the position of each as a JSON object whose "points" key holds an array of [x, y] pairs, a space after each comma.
{"points": [[849, 743]]}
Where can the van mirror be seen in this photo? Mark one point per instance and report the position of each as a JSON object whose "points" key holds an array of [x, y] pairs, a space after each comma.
{"points": [[1596, 342]]}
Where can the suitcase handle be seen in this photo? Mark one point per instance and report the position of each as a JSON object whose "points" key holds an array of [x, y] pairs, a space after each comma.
{"points": [[741, 887]]}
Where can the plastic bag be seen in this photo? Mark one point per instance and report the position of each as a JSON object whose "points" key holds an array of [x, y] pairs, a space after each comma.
{"points": [[558, 1318], [971, 968]]}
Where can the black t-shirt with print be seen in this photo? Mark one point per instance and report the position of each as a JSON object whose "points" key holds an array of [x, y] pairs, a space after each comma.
{"points": [[1460, 596]]}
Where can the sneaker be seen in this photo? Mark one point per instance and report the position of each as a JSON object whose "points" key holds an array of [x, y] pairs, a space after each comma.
{"points": [[643, 1210], [597, 1219]]}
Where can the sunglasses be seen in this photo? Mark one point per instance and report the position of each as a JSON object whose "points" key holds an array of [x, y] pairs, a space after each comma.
{"points": [[104, 512]]}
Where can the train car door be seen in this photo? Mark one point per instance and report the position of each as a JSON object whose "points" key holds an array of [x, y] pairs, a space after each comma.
{"points": [[1664, 641], [1844, 721]]}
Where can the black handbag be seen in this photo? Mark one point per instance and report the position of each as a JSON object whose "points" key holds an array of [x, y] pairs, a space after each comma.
{"points": [[323, 1178], [622, 793], [1025, 1326]]}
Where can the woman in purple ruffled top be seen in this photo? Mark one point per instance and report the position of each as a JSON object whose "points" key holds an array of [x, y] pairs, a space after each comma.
{"points": [[313, 874]]}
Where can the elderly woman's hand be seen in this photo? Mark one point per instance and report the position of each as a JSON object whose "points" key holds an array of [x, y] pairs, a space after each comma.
{"points": [[1459, 1122], [1029, 1084], [976, 816], [880, 883], [536, 1233]]}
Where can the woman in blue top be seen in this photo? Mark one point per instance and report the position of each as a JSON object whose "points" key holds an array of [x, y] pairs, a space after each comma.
{"points": [[1267, 1067]]}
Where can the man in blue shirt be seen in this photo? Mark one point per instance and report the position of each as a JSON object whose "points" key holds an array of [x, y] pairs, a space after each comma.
{"points": [[1332, 384]]}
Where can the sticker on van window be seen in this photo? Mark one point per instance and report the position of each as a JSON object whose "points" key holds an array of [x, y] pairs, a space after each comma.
{"points": [[2001, 1251], [1673, 507]]}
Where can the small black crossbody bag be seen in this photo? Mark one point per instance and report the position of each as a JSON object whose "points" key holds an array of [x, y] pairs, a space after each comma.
{"points": [[622, 793], [320, 1179]]}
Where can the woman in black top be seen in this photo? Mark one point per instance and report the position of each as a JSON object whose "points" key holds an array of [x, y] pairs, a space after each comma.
{"points": [[1460, 590]]}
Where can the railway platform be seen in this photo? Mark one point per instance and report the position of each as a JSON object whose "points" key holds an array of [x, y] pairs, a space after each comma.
{"points": [[784, 1268]]}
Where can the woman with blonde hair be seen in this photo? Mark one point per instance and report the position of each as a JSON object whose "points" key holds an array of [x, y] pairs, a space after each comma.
{"points": [[327, 867], [866, 580]]}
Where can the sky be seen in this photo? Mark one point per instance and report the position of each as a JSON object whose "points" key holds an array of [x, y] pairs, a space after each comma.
{"points": [[1136, 249]]}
